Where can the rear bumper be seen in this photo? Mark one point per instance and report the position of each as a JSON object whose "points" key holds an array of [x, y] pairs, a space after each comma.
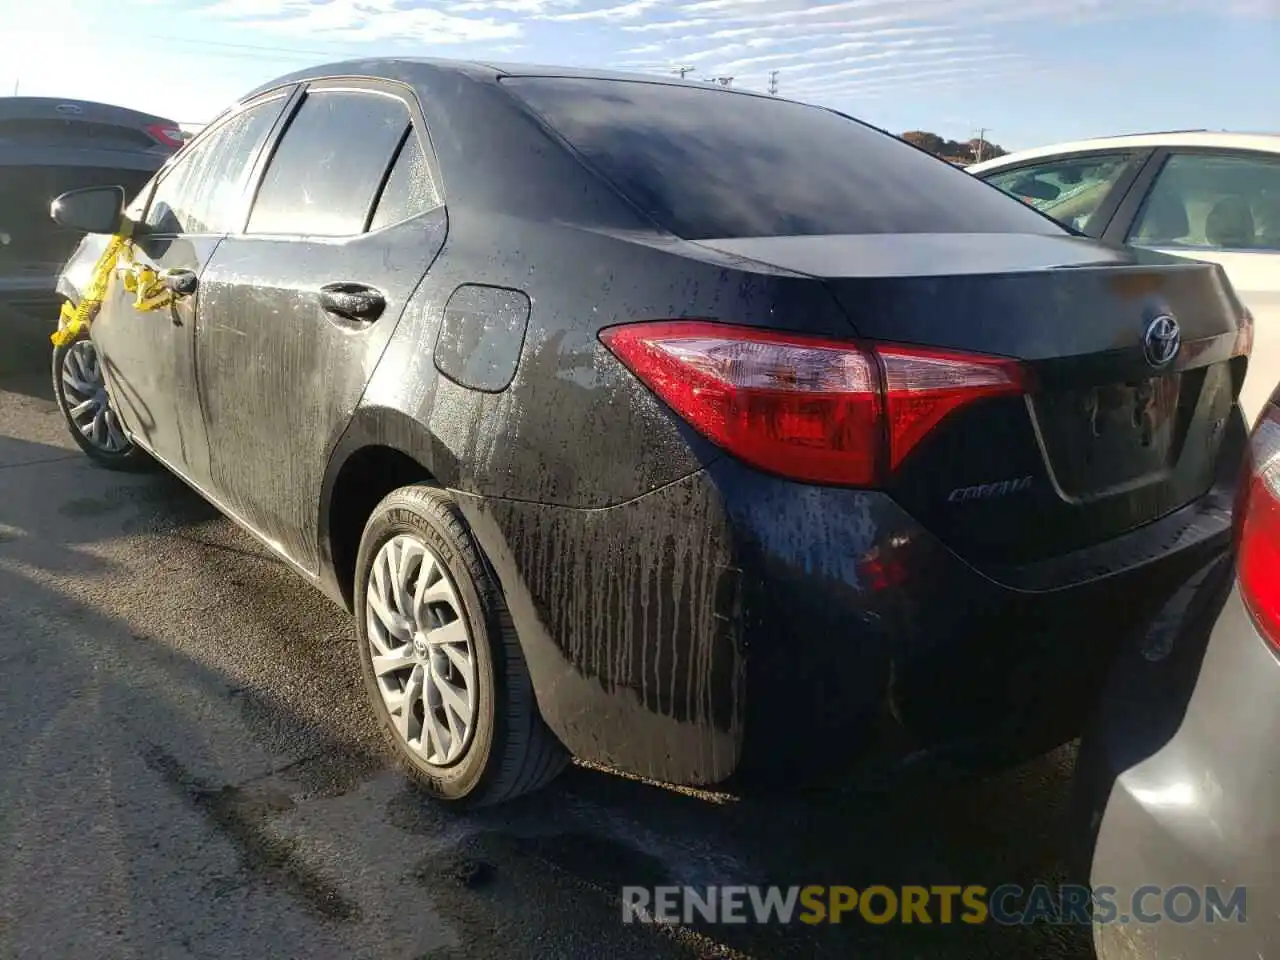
{"points": [[1177, 784], [733, 621]]}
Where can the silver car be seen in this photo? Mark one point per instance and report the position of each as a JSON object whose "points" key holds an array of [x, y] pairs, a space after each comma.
{"points": [[1179, 780]]}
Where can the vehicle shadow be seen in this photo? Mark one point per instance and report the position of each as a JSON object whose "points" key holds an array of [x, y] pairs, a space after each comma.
{"points": [[176, 708], [25, 353]]}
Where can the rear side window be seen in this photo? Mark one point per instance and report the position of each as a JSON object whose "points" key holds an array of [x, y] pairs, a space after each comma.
{"points": [[329, 164], [202, 191], [714, 164], [411, 187]]}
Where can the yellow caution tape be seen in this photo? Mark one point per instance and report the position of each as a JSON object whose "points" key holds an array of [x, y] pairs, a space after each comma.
{"points": [[149, 291]]}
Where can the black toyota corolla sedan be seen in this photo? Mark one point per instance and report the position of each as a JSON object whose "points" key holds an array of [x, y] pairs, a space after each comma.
{"points": [[685, 430]]}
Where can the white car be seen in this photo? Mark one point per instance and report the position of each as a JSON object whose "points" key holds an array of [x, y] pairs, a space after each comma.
{"points": [[1210, 196]]}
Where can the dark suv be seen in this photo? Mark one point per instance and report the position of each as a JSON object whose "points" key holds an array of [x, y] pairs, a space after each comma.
{"points": [[691, 430], [48, 147]]}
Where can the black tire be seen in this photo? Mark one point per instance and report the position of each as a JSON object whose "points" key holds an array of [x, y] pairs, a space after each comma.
{"points": [[131, 458], [511, 751]]}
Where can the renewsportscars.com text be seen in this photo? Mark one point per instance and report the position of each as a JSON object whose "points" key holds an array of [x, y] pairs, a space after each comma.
{"points": [[1008, 904]]}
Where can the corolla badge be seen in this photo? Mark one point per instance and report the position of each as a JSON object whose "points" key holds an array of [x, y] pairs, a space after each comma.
{"points": [[1161, 341]]}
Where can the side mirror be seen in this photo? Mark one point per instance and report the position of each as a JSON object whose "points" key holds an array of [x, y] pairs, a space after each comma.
{"points": [[90, 209]]}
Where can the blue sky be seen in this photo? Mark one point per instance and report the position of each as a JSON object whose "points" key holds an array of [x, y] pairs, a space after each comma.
{"points": [[1030, 71]]}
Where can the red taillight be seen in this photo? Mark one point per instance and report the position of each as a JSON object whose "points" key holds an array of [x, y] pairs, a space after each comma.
{"points": [[819, 410], [1258, 530], [168, 135]]}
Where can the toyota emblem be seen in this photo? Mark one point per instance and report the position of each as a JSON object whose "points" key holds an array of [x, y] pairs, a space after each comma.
{"points": [[1162, 340]]}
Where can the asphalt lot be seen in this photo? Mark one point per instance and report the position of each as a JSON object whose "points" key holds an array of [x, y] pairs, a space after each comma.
{"points": [[189, 771]]}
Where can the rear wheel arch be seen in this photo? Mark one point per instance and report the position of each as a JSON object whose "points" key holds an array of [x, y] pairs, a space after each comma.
{"points": [[380, 451]]}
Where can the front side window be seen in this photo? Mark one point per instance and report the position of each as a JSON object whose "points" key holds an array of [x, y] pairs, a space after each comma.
{"points": [[1214, 202], [202, 191], [329, 164], [1071, 190]]}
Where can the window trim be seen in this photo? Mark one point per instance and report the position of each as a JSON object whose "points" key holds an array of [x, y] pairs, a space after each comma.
{"points": [[279, 93], [1100, 222], [372, 209], [1120, 229], [366, 85]]}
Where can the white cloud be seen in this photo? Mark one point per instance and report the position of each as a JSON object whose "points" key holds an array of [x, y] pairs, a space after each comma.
{"points": [[354, 21], [817, 46]]}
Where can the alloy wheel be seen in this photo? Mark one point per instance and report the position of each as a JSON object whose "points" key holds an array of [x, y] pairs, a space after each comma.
{"points": [[421, 650], [88, 406]]}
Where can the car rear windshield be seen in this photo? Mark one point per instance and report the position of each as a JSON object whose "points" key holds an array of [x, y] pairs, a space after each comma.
{"points": [[708, 163]]}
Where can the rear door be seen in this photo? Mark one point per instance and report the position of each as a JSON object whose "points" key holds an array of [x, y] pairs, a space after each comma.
{"points": [[148, 356], [1079, 190], [1223, 207], [299, 305]]}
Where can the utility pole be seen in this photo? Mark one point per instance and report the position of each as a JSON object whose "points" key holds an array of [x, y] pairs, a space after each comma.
{"points": [[16, 81], [683, 71], [982, 143], [773, 82]]}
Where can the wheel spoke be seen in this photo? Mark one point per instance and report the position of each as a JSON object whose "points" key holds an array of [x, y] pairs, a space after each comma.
{"points": [[453, 697], [81, 387], [433, 746], [455, 734], [410, 552], [115, 431], [460, 656], [406, 721], [379, 585], [399, 659], [450, 633], [84, 407], [426, 571], [396, 625]]}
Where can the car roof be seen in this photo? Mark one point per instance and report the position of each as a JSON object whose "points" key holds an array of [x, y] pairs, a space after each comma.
{"points": [[477, 69], [1264, 142]]}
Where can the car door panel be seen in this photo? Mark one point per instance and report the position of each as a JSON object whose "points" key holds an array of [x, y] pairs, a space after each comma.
{"points": [[149, 357], [1254, 273], [281, 377]]}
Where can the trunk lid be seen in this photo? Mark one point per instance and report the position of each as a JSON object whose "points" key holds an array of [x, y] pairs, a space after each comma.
{"points": [[1112, 434]]}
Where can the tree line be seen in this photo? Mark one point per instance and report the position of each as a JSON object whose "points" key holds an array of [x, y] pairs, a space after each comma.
{"points": [[957, 151]]}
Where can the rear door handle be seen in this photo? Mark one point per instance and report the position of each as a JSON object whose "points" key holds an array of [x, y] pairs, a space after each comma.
{"points": [[353, 302]]}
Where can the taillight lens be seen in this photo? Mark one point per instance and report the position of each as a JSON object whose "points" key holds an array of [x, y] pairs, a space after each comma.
{"points": [[1258, 531], [169, 136], [809, 408]]}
